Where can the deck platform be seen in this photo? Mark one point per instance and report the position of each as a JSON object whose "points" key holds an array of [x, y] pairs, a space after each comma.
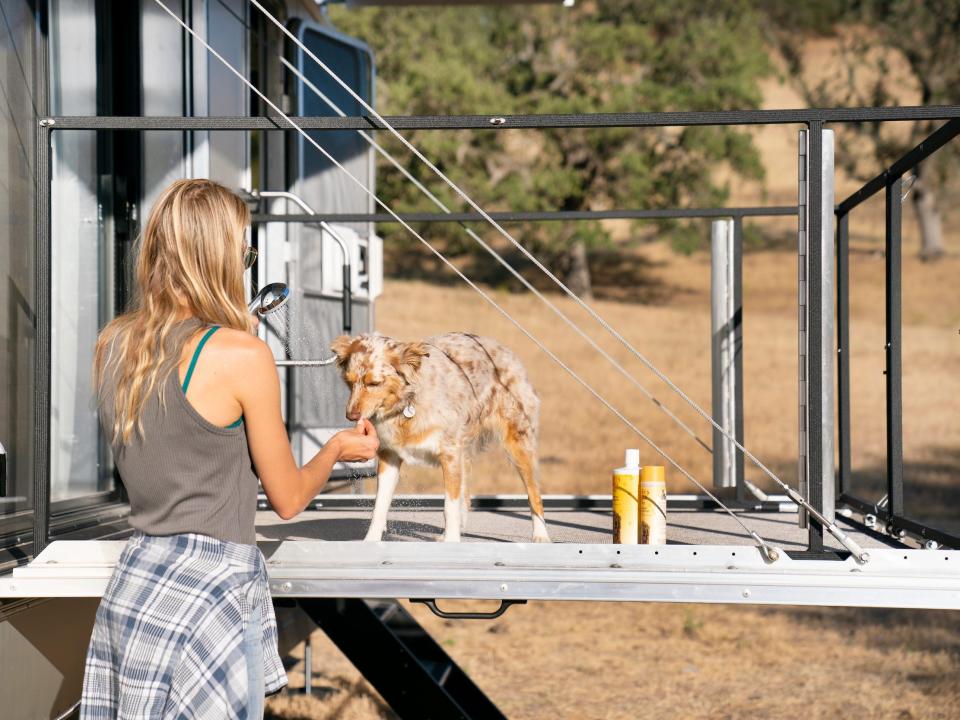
{"points": [[707, 558], [349, 518]]}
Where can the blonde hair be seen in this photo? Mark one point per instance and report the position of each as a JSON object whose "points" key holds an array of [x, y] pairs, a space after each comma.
{"points": [[191, 252]]}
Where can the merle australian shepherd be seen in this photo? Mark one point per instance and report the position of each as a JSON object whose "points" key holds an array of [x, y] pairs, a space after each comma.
{"points": [[435, 402]]}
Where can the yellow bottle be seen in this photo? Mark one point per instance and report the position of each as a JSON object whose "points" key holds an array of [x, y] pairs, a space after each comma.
{"points": [[653, 506], [626, 505]]}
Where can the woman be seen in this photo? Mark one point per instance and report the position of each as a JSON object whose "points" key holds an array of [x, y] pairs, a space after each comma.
{"points": [[186, 626]]}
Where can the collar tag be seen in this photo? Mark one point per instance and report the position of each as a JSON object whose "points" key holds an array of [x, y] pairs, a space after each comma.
{"points": [[409, 411]]}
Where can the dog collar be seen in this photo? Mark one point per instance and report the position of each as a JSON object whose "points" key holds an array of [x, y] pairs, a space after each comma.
{"points": [[409, 411]]}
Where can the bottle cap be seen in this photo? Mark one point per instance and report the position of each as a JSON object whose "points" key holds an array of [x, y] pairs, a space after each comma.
{"points": [[632, 457]]}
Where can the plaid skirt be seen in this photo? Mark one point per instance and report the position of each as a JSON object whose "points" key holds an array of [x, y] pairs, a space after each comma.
{"points": [[172, 636]]}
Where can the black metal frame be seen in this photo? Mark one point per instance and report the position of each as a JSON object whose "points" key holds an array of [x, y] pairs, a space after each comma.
{"points": [[737, 213], [814, 371], [813, 119], [554, 503], [891, 182], [401, 660], [487, 122]]}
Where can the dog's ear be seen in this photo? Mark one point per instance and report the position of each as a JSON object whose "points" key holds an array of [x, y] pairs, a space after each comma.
{"points": [[344, 346], [413, 354], [406, 358]]}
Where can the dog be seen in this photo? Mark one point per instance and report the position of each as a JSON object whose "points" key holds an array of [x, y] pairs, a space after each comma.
{"points": [[436, 402]]}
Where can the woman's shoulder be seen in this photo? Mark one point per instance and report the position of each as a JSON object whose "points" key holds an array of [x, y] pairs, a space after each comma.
{"points": [[240, 351]]}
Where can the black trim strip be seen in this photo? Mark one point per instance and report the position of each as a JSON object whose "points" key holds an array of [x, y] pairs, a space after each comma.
{"points": [[560, 215], [900, 523], [927, 147], [490, 122], [600, 503]]}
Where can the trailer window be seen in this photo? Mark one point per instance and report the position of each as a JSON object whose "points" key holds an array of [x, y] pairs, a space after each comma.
{"points": [[316, 177], [350, 62]]}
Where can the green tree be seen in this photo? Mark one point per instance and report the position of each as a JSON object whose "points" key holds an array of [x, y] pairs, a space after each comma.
{"points": [[926, 35], [615, 56]]}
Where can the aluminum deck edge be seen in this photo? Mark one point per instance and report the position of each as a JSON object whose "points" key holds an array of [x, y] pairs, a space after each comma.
{"points": [[670, 573]]}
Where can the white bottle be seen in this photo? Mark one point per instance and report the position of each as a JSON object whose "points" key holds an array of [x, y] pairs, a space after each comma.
{"points": [[626, 500], [653, 506]]}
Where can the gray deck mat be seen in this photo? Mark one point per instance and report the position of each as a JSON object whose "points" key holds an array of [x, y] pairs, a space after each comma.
{"points": [[687, 527]]}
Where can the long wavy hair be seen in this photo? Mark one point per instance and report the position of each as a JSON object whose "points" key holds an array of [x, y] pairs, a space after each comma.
{"points": [[190, 255]]}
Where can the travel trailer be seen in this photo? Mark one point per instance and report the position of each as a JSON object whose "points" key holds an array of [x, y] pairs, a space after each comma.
{"points": [[105, 103]]}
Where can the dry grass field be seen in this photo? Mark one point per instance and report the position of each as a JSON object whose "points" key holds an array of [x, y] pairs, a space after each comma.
{"points": [[597, 660]]}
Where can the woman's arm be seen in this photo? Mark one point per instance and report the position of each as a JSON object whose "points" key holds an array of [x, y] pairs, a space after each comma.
{"points": [[288, 487]]}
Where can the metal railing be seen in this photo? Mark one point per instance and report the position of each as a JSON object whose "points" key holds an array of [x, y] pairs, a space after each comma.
{"points": [[889, 511], [813, 385]]}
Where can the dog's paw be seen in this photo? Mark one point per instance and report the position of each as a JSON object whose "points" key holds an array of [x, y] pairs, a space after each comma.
{"points": [[540, 534]]}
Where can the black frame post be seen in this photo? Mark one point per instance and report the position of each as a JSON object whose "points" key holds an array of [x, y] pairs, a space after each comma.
{"points": [[843, 348], [894, 203], [812, 325], [41, 431]]}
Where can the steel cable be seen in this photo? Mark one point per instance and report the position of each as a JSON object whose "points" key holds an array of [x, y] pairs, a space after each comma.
{"points": [[830, 526], [770, 552]]}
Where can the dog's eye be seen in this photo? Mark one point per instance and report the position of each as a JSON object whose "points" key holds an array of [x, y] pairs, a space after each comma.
{"points": [[372, 383]]}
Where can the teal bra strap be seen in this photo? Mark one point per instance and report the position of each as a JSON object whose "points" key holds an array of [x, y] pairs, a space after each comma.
{"points": [[196, 354], [193, 362]]}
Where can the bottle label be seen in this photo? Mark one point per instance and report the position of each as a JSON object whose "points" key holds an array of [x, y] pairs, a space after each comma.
{"points": [[626, 529], [653, 506]]}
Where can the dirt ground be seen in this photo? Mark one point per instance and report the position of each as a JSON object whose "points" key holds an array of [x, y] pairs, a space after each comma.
{"points": [[635, 661], [612, 660]]}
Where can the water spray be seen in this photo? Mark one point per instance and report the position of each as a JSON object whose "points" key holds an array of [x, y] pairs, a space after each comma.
{"points": [[266, 302]]}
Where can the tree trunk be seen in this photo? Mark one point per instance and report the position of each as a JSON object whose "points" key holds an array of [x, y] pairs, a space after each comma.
{"points": [[928, 217], [578, 273]]}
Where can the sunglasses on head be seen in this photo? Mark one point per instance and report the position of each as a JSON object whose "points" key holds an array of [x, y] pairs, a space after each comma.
{"points": [[249, 257]]}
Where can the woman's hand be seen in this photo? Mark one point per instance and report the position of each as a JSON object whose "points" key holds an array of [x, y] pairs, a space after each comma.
{"points": [[357, 444]]}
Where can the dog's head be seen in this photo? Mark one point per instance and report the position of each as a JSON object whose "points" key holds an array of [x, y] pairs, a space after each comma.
{"points": [[379, 371]]}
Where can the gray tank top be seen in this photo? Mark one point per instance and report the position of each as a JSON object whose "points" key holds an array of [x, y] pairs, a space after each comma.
{"points": [[186, 474]]}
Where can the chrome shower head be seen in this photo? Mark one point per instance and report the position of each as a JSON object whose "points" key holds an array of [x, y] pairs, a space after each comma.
{"points": [[270, 299]]}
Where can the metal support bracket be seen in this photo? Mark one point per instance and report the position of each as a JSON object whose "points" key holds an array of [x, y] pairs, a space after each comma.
{"points": [[401, 660]]}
